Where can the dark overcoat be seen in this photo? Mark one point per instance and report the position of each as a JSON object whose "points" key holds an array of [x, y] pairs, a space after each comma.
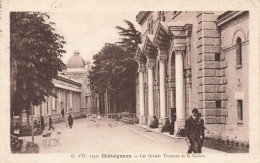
{"points": [[70, 119], [192, 128]]}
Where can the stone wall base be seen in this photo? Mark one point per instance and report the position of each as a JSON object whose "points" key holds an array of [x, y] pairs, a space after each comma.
{"points": [[142, 120]]}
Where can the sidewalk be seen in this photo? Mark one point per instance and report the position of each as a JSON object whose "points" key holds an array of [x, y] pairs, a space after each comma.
{"points": [[182, 139], [158, 131]]}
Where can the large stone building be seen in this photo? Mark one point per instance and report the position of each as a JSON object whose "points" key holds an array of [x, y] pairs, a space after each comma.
{"points": [[195, 60]]}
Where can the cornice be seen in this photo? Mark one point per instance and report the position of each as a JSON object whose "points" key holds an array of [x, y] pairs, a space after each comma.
{"points": [[64, 78], [141, 16], [227, 16]]}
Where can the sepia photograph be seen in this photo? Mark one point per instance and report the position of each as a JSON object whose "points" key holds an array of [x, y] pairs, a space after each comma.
{"points": [[146, 85]]}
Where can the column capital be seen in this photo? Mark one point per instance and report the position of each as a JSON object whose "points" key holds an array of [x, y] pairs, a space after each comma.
{"points": [[141, 67], [179, 49], [162, 57], [151, 62]]}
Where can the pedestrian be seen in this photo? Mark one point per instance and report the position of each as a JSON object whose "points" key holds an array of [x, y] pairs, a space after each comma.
{"points": [[62, 112], [35, 124], [166, 127], [42, 123], [192, 131], [155, 123], [50, 123], [201, 132], [70, 119]]}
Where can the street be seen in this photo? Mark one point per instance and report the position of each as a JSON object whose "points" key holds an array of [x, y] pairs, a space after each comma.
{"points": [[86, 137]]}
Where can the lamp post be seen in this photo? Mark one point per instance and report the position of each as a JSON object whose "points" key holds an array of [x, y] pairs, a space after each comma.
{"points": [[106, 103], [32, 112]]}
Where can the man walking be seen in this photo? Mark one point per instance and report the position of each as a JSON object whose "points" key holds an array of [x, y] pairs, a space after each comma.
{"points": [[192, 131], [62, 113], [50, 123], [70, 119]]}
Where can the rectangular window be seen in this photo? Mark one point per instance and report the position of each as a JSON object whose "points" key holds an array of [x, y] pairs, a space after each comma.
{"points": [[239, 110], [218, 104], [217, 56]]}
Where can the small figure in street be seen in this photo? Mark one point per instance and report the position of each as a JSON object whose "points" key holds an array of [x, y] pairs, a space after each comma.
{"points": [[70, 119], [192, 131], [201, 132], [155, 122], [166, 127], [42, 123], [35, 124], [50, 123], [62, 112]]}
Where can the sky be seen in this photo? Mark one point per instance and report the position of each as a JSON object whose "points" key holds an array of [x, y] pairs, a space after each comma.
{"points": [[89, 31]]}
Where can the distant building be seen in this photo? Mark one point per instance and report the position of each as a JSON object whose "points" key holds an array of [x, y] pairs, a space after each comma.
{"points": [[73, 93], [192, 60], [78, 69], [68, 93]]}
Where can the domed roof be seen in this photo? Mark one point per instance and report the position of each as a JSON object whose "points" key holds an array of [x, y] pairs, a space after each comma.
{"points": [[76, 61]]}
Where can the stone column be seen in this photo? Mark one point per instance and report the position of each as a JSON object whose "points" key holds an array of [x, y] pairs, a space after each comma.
{"points": [[141, 93], [171, 91], [151, 64], [162, 89], [180, 105]]}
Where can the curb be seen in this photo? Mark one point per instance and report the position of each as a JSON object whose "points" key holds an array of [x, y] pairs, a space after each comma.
{"points": [[172, 136]]}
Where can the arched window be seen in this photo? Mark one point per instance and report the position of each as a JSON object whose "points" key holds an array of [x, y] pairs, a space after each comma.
{"points": [[239, 52]]}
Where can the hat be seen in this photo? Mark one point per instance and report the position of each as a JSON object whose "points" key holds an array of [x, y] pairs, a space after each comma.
{"points": [[195, 111]]}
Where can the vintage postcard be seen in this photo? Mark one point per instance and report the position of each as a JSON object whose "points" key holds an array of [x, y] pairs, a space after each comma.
{"points": [[137, 81]]}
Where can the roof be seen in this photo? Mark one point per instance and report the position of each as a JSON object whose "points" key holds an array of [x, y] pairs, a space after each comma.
{"points": [[76, 61]]}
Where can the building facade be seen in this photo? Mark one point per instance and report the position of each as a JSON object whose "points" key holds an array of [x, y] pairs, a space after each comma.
{"points": [[72, 91], [78, 69], [189, 60], [68, 92]]}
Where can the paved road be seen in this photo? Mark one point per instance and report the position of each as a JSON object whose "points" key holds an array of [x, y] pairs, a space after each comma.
{"points": [[85, 137]]}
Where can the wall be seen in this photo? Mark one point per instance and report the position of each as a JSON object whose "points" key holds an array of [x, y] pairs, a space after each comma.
{"points": [[237, 78]]}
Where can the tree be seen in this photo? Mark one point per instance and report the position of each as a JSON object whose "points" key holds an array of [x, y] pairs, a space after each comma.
{"points": [[130, 37], [116, 70], [37, 50]]}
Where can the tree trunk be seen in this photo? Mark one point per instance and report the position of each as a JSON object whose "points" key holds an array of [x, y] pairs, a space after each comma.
{"points": [[20, 118], [27, 118], [114, 103]]}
